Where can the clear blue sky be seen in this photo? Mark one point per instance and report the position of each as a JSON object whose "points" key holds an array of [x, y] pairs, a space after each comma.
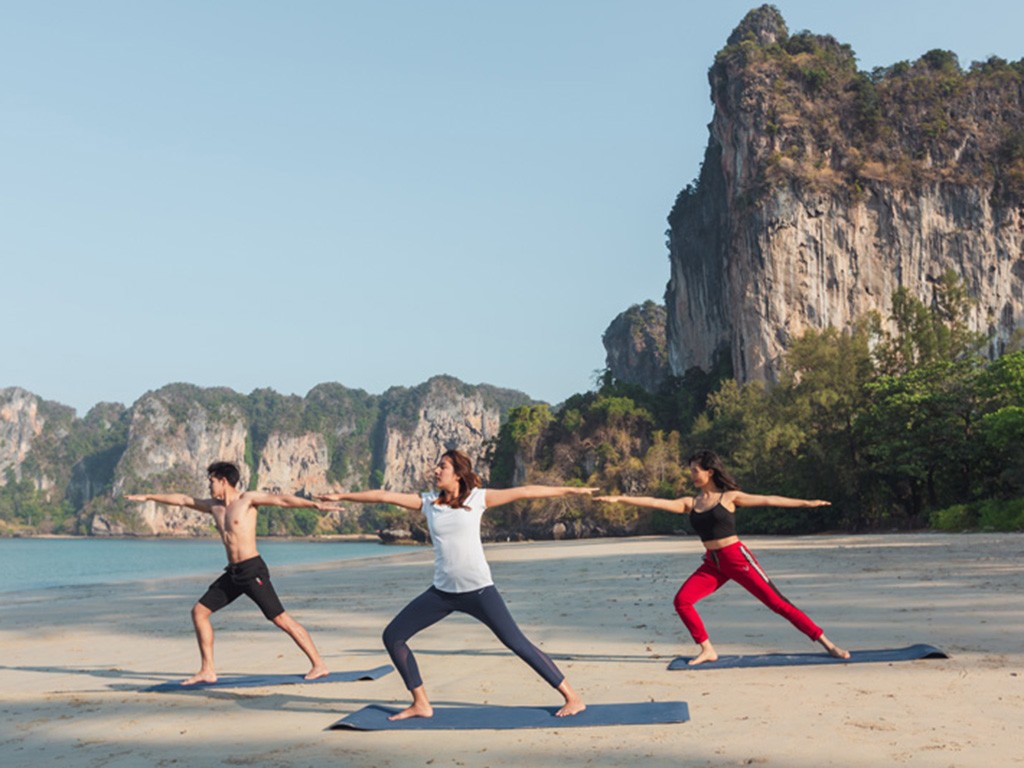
{"points": [[255, 194]]}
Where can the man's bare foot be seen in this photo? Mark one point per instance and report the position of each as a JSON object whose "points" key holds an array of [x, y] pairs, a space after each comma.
{"points": [[201, 677], [707, 653], [833, 650], [416, 710], [317, 672]]}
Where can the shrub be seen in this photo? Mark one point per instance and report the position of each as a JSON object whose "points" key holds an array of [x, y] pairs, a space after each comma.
{"points": [[1001, 515], [959, 517], [988, 515]]}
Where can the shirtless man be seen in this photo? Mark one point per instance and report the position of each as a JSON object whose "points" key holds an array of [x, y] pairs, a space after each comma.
{"points": [[235, 514]]}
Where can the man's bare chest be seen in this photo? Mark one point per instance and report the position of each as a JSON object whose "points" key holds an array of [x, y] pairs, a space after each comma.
{"points": [[234, 519]]}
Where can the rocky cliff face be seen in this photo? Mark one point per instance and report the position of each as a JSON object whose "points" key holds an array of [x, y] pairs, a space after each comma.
{"points": [[32, 433], [173, 436], [332, 439], [105, 429], [824, 190], [422, 423], [295, 465], [20, 423], [636, 346]]}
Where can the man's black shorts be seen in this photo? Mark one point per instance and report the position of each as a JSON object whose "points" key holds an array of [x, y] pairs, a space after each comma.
{"points": [[250, 577]]}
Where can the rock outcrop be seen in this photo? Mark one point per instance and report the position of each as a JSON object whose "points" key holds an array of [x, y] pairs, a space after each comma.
{"points": [[636, 346], [20, 424], [173, 436], [32, 431], [824, 189], [421, 423]]}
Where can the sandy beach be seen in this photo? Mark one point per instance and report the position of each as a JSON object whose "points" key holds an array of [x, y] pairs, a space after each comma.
{"points": [[74, 660]]}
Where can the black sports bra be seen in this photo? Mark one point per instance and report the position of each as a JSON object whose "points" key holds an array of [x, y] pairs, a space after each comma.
{"points": [[716, 522]]}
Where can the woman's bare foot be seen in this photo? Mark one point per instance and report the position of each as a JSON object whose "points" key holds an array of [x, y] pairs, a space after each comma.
{"points": [[707, 653], [317, 671], [573, 703], [202, 676], [833, 650], [414, 711], [420, 706]]}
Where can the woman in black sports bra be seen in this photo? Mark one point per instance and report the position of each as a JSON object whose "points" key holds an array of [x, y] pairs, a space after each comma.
{"points": [[713, 516]]}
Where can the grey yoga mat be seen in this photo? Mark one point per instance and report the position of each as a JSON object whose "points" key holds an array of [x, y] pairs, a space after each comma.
{"points": [[910, 653], [256, 681], [375, 717]]}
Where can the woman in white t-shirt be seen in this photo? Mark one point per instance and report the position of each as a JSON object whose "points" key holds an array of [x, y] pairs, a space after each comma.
{"points": [[462, 578]]}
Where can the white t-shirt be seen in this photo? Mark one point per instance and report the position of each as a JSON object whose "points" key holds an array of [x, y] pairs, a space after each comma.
{"points": [[459, 562]]}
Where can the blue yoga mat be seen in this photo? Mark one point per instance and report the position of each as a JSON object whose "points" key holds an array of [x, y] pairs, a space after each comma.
{"points": [[375, 718], [910, 653], [257, 681]]}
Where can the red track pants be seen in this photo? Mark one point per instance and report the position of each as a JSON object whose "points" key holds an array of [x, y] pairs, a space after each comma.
{"points": [[735, 562]]}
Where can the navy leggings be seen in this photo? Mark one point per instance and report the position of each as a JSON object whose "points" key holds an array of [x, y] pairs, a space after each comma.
{"points": [[484, 605]]}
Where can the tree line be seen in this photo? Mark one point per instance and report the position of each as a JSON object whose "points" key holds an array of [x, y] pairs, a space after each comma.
{"points": [[900, 429]]}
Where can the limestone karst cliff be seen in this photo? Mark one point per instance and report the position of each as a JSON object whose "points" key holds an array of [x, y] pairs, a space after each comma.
{"points": [[333, 438], [20, 424], [823, 190], [42, 442], [442, 413], [173, 435]]}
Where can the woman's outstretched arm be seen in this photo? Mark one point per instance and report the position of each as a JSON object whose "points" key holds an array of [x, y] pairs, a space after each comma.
{"points": [[741, 499], [681, 506], [406, 500], [495, 497], [287, 500]]}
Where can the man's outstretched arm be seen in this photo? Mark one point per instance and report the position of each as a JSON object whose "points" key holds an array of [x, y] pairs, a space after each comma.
{"points": [[287, 500], [173, 499]]}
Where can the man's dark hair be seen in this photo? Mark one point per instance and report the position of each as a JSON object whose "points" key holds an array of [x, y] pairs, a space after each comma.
{"points": [[224, 470]]}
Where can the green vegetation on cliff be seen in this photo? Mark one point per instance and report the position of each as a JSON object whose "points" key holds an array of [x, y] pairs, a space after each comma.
{"points": [[829, 125], [66, 451]]}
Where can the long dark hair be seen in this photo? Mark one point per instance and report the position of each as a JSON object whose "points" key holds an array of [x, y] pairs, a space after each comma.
{"points": [[462, 465], [710, 462]]}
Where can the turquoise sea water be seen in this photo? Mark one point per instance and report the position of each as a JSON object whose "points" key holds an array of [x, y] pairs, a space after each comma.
{"points": [[40, 563]]}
